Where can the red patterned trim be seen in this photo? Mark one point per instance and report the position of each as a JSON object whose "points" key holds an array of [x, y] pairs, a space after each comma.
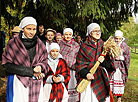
{"points": [[102, 55]]}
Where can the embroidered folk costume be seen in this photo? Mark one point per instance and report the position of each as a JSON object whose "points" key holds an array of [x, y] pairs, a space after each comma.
{"points": [[119, 78], [20, 58], [69, 50], [90, 51], [56, 92]]}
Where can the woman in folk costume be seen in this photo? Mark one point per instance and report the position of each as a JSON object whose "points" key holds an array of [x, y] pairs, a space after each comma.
{"points": [[121, 63], [58, 37], [99, 88], [25, 57], [56, 81], [69, 49]]}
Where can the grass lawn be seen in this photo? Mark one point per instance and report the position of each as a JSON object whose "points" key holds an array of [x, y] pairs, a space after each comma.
{"points": [[131, 89]]}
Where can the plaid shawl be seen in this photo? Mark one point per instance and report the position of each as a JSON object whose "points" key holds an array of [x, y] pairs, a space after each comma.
{"points": [[69, 52], [57, 88], [16, 53], [87, 57], [124, 65]]}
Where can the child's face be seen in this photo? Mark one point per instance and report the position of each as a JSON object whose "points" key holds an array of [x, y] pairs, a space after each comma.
{"points": [[50, 36], [68, 36], [54, 53]]}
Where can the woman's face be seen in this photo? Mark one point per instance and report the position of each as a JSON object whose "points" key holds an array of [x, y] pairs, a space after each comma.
{"points": [[50, 35], [54, 53], [41, 29], [58, 38], [118, 39], [68, 36], [78, 39], [96, 33], [29, 31]]}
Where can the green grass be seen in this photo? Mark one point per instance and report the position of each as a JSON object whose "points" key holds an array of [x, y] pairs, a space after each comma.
{"points": [[131, 88], [133, 69]]}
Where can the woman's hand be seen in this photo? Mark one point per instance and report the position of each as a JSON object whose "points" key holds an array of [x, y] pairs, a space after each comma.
{"points": [[101, 59], [38, 75], [37, 69], [90, 76], [117, 58]]}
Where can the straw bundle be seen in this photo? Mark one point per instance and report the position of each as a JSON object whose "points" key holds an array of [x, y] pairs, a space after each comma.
{"points": [[109, 47]]}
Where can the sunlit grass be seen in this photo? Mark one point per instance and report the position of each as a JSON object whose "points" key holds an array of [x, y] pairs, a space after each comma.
{"points": [[133, 69], [131, 88]]}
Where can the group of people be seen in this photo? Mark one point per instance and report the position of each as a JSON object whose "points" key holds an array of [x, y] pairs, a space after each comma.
{"points": [[41, 69]]}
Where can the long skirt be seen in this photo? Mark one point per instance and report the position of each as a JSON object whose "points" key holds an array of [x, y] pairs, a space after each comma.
{"points": [[116, 83], [89, 96], [47, 90], [73, 94], [16, 92]]}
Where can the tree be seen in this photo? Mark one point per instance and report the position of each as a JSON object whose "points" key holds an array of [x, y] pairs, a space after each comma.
{"points": [[10, 13], [77, 14], [130, 30]]}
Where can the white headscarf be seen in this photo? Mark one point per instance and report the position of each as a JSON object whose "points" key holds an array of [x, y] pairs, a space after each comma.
{"points": [[90, 27], [118, 33], [27, 21], [54, 46], [67, 30]]}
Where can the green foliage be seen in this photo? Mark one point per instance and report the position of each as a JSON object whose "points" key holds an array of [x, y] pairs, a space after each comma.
{"points": [[76, 14], [130, 30]]}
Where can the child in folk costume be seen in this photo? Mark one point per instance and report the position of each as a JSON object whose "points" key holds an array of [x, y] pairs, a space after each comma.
{"points": [[99, 88], [55, 88], [121, 63], [50, 34], [69, 49], [25, 56]]}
